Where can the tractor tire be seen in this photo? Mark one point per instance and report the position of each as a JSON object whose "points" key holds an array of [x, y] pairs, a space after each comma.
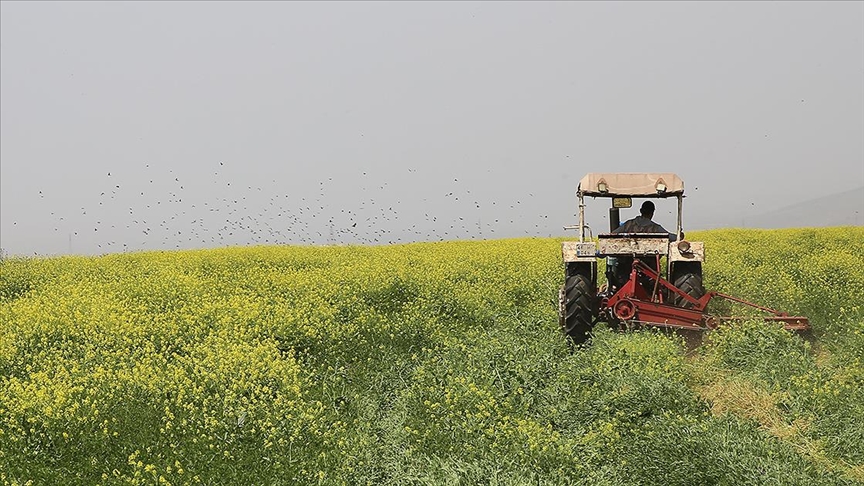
{"points": [[578, 298], [689, 280]]}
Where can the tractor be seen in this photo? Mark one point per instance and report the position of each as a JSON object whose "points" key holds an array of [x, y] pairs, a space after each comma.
{"points": [[652, 279]]}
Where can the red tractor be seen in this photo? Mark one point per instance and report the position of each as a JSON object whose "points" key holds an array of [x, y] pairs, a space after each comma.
{"points": [[641, 289]]}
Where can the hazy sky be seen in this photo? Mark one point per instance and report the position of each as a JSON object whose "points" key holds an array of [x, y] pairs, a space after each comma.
{"points": [[376, 122]]}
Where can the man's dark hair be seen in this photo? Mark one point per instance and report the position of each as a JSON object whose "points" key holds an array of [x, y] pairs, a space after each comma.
{"points": [[647, 208]]}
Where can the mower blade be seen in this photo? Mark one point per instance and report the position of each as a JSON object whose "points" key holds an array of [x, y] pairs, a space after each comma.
{"points": [[791, 323]]}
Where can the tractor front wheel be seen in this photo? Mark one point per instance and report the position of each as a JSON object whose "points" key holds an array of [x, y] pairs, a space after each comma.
{"points": [[577, 301], [688, 278]]}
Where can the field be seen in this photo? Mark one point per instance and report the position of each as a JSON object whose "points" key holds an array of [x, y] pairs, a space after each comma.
{"points": [[432, 363]]}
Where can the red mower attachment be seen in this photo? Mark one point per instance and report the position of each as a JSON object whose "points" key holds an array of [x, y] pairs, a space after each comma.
{"points": [[633, 303]]}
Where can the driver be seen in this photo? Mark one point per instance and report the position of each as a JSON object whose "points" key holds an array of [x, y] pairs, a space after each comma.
{"points": [[619, 267], [643, 223]]}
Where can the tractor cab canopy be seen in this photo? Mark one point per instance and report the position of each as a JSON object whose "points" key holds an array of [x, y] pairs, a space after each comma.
{"points": [[640, 184]]}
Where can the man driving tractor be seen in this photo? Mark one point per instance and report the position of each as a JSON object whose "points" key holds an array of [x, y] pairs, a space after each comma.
{"points": [[643, 223], [618, 267]]}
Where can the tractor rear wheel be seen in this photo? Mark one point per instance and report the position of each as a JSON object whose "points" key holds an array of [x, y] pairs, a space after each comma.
{"points": [[578, 298], [688, 278]]}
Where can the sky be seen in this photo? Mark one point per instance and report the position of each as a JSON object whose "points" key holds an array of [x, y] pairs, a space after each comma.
{"points": [[131, 126]]}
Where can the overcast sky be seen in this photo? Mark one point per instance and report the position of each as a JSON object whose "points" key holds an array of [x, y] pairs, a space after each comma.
{"points": [[244, 123]]}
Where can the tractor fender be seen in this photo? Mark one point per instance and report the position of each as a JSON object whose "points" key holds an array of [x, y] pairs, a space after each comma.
{"points": [[696, 252], [574, 251]]}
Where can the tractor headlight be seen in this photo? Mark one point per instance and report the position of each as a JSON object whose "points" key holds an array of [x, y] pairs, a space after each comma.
{"points": [[684, 246]]}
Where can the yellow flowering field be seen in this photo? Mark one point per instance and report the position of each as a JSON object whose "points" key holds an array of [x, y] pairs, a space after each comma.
{"points": [[423, 363]]}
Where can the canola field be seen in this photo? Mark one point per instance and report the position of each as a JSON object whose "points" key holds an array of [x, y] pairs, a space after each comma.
{"points": [[425, 363]]}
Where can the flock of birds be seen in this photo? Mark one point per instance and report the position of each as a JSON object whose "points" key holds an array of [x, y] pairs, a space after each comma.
{"points": [[167, 212]]}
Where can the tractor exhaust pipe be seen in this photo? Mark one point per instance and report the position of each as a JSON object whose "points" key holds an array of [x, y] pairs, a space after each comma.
{"points": [[612, 262], [614, 218]]}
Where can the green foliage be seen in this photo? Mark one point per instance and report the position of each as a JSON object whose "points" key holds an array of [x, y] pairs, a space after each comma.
{"points": [[420, 364], [813, 271], [763, 351]]}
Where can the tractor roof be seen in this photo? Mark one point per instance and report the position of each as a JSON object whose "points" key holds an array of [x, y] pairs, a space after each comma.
{"points": [[641, 184]]}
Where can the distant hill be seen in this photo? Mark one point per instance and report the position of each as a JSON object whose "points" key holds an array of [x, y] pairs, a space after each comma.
{"points": [[841, 209]]}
